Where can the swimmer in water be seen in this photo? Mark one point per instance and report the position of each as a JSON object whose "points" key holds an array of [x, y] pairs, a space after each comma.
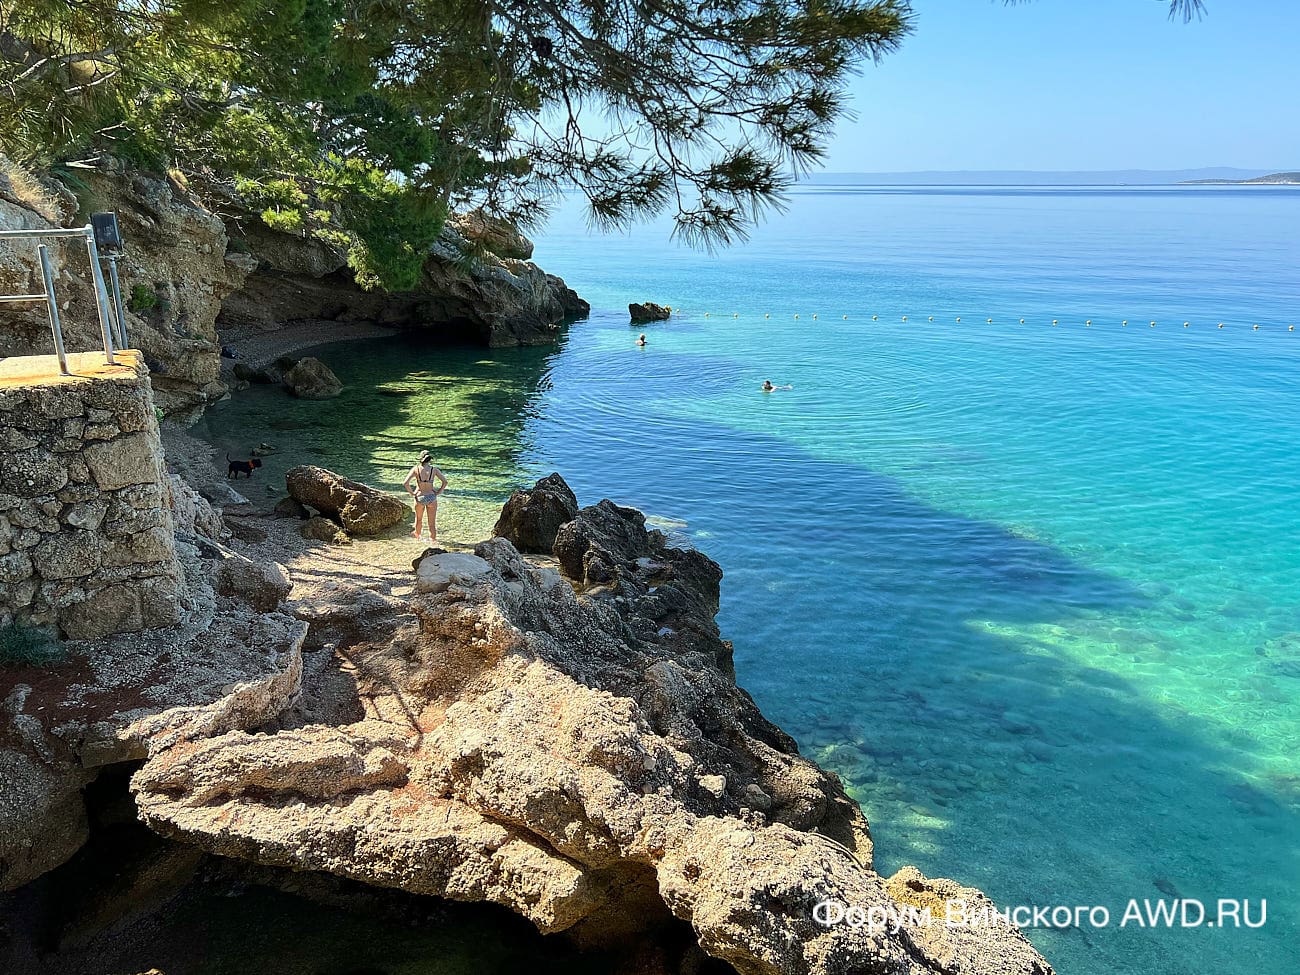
{"points": [[768, 387], [641, 339]]}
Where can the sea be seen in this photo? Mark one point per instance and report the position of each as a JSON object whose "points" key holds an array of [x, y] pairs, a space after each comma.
{"points": [[1017, 553]]}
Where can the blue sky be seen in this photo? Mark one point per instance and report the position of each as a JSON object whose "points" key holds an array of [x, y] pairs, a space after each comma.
{"points": [[1080, 85]]}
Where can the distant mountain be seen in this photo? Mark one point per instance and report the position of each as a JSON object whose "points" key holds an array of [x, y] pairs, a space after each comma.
{"points": [[1274, 179], [1011, 177]]}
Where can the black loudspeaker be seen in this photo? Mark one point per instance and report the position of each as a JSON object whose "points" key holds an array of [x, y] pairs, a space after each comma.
{"points": [[107, 236]]}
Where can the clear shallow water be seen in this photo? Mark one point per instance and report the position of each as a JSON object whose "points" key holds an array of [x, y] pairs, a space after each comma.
{"points": [[1033, 590]]}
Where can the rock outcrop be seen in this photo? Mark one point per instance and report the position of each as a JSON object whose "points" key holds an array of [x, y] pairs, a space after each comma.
{"points": [[531, 518], [228, 666], [648, 312], [359, 508], [312, 379], [184, 280], [572, 746], [175, 273], [469, 291]]}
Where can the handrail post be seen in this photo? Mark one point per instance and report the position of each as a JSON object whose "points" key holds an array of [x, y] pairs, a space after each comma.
{"points": [[53, 304], [117, 301], [101, 296]]}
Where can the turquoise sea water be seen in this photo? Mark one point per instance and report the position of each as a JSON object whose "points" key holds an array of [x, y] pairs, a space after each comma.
{"points": [[1033, 590]]}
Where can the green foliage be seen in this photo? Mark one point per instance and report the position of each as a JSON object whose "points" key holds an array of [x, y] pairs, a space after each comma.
{"points": [[23, 645], [363, 122], [142, 299]]}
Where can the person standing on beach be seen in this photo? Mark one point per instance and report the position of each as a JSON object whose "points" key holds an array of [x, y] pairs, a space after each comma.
{"points": [[420, 482]]}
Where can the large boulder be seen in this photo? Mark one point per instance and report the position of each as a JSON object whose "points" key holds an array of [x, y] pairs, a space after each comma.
{"points": [[312, 379], [361, 509], [531, 518], [648, 312]]}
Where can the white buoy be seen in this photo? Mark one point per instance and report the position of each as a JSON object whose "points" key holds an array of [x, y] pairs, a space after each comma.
{"points": [[1153, 324], [958, 318], [1022, 321], [1054, 322], [1124, 322], [1220, 324], [1255, 327], [1187, 324], [1088, 322], [904, 318], [989, 321], [931, 318], [875, 318]]}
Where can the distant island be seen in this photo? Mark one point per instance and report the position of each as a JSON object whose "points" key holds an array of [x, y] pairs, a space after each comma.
{"points": [[1112, 177], [1274, 179]]}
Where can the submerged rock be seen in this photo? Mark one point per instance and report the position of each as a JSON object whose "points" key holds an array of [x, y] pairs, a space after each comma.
{"points": [[361, 509], [531, 518]]}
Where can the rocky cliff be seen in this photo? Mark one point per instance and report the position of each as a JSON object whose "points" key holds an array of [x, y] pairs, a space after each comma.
{"points": [[563, 735], [190, 278]]}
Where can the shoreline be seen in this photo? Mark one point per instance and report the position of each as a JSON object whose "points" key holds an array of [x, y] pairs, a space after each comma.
{"points": [[257, 348]]}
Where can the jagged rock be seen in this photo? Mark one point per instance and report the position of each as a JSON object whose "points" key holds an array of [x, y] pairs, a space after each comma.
{"points": [[464, 296], [648, 312], [323, 530], [262, 585], [591, 545], [361, 509], [310, 378], [531, 518], [585, 760], [193, 514], [122, 697]]}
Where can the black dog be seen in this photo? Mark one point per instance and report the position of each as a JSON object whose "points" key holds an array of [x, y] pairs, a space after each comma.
{"points": [[245, 467]]}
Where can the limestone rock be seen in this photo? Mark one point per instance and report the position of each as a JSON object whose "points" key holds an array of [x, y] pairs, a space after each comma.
{"points": [[323, 530], [499, 236], [193, 514], [648, 312], [262, 585], [585, 760], [175, 248], [291, 508], [361, 509], [531, 518], [312, 379], [438, 573], [465, 294]]}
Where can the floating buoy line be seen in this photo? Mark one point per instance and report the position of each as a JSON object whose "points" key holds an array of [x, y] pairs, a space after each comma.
{"points": [[957, 320]]}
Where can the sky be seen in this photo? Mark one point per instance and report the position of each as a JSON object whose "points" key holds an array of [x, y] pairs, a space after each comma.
{"points": [[1080, 85]]}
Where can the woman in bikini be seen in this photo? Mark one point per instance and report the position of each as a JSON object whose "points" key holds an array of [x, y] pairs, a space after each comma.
{"points": [[420, 482]]}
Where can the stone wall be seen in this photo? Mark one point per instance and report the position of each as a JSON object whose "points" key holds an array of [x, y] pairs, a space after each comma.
{"points": [[86, 537]]}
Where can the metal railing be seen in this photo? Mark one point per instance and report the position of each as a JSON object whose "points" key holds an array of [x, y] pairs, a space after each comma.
{"points": [[112, 318]]}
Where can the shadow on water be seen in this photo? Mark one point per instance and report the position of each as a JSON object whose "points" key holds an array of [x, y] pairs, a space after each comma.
{"points": [[955, 674]]}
